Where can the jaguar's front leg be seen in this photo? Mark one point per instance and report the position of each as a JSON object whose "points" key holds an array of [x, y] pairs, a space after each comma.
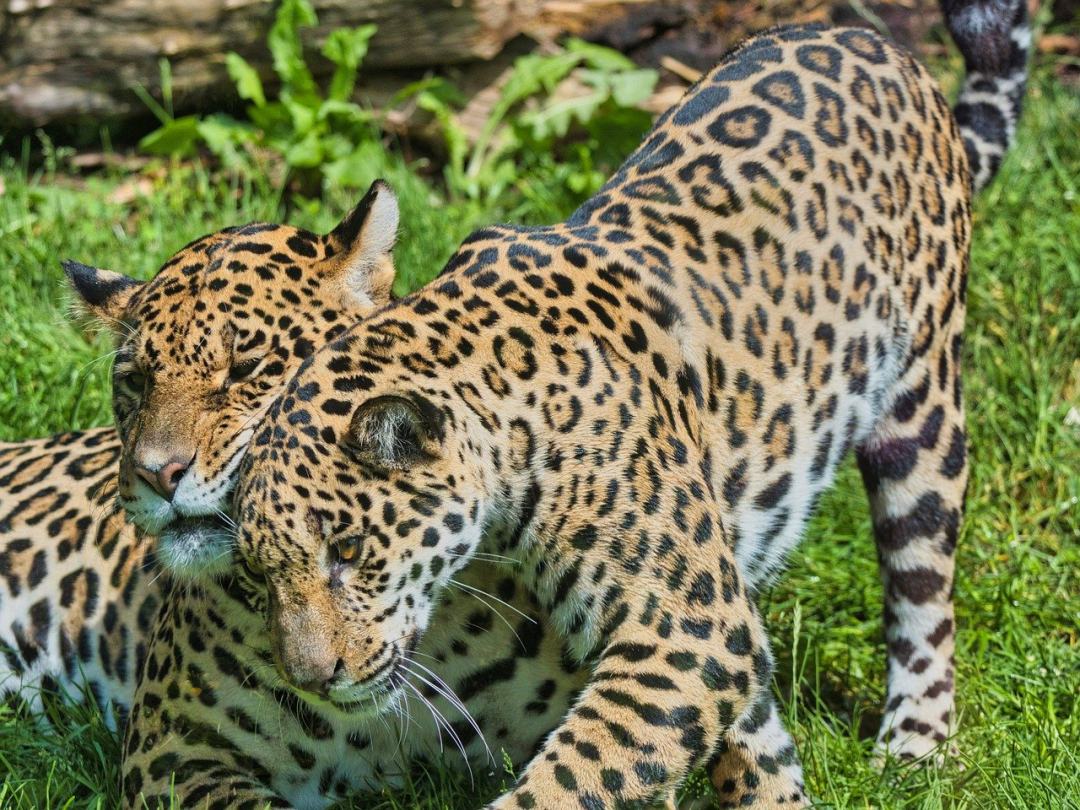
{"points": [[756, 764], [674, 676], [183, 747], [171, 761], [215, 787]]}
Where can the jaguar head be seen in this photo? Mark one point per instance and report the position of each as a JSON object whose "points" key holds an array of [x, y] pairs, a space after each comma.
{"points": [[206, 345]]}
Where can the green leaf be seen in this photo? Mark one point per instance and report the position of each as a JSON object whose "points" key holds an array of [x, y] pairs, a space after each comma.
{"points": [[225, 137], [346, 48], [288, 52], [599, 56], [632, 87], [335, 146], [435, 86], [246, 78], [554, 119], [177, 137], [343, 112], [272, 119], [533, 73], [306, 153], [301, 115], [357, 168]]}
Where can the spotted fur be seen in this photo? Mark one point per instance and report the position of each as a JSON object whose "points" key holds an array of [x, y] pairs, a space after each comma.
{"points": [[76, 603], [85, 608]]}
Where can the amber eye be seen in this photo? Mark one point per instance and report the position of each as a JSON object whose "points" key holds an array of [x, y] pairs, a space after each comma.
{"points": [[243, 369], [346, 549], [134, 382]]}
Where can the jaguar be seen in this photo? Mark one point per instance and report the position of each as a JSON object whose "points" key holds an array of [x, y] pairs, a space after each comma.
{"points": [[88, 591], [224, 323], [641, 405]]}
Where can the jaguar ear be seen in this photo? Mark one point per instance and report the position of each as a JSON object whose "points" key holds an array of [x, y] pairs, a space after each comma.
{"points": [[102, 293], [393, 433], [362, 242]]}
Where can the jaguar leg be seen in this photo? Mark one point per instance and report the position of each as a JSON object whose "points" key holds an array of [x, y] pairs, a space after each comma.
{"points": [[915, 471], [665, 689], [756, 764]]}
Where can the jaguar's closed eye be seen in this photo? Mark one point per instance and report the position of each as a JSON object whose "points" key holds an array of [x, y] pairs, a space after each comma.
{"points": [[134, 382], [243, 369], [255, 574]]}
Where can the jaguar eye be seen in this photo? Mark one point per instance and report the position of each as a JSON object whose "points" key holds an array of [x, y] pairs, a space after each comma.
{"points": [[346, 549], [243, 369], [252, 572], [134, 382]]}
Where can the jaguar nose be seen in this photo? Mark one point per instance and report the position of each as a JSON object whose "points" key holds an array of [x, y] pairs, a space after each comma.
{"points": [[318, 678], [166, 478]]}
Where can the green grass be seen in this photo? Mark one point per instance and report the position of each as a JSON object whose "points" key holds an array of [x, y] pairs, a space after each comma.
{"points": [[1018, 588]]}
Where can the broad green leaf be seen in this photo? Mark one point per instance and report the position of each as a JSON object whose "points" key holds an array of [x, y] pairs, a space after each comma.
{"points": [[343, 112], [535, 72], [272, 119], [599, 56], [335, 146], [554, 118], [178, 137], [225, 137], [346, 48], [301, 115], [632, 87], [288, 52], [306, 153], [357, 168], [248, 84]]}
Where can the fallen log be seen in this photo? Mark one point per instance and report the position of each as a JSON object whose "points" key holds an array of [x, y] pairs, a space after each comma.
{"points": [[77, 62]]}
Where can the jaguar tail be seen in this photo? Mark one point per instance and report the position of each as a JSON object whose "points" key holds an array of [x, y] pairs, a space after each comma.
{"points": [[995, 38]]}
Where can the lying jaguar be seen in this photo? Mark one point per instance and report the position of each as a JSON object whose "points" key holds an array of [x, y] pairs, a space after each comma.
{"points": [[78, 596], [203, 349], [77, 607], [628, 402]]}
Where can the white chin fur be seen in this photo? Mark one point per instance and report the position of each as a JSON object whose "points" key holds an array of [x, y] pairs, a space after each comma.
{"points": [[192, 543], [195, 549], [148, 510]]}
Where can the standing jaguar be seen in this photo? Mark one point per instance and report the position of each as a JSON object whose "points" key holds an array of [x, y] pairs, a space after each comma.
{"points": [[641, 406], [75, 604]]}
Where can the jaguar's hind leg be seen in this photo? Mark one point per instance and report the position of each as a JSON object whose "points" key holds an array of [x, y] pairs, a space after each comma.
{"points": [[757, 765], [915, 470]]}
